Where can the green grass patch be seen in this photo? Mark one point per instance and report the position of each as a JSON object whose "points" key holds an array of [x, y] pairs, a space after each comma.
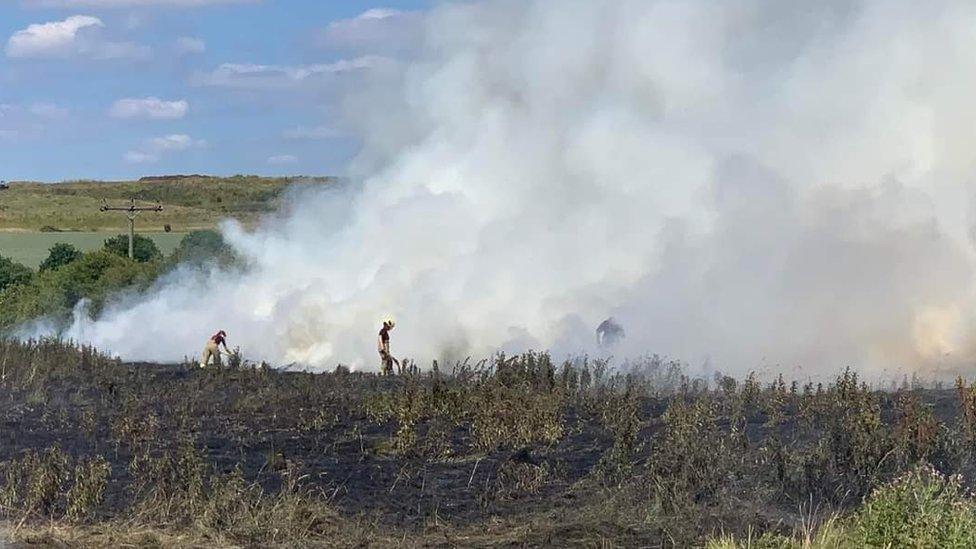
{"points": [[30, 248]]}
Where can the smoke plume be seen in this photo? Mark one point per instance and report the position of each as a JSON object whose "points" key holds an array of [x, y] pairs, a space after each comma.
{"points": [[747, 184]]}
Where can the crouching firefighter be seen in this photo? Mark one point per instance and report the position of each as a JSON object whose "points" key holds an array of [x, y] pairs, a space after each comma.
{"points": [[212, 349], [383, 346]]}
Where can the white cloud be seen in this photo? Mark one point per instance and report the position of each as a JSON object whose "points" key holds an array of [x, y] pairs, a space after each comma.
{"points": [[379, 13], [317, 133], [188, 45], [57, 38], [151, 108], [283, 159], [376, 30], [19, 123], [10, 136], [139, 157], [130, 3], [48, 111], [153, 149], [252, 76], [76, 36], [135, 21], [175, 142]]}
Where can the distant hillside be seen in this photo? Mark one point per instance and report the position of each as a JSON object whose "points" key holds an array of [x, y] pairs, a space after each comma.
{"points": [[189, 202]]}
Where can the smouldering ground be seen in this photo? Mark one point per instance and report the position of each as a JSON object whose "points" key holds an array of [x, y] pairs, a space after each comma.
{"points": [[515, 451]]}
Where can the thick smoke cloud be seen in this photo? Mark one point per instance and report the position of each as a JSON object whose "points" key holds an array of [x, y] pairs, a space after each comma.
{"points": [[743, 184]]}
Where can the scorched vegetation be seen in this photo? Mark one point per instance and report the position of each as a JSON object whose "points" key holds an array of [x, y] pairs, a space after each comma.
{"points": [[510, 451]]}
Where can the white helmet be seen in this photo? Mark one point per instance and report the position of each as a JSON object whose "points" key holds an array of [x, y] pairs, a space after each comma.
{"points": [[389, 322]]}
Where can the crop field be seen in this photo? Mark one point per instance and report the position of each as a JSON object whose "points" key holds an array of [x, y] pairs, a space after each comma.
{"points": [[30, 248], [513, 451]]}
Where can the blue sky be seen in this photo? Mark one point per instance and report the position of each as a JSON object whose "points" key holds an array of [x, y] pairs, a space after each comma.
{"points": [[113, 89]]}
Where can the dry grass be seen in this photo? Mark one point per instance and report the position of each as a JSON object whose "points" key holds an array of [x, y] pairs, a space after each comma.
{"points": [[512, 451], [189, 203]]}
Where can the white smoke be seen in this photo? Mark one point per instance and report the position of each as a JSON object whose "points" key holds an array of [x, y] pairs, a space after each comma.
{"points": [[751, 182]]}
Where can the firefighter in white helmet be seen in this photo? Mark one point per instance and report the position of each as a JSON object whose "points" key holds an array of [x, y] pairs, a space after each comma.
{"points": [[383, 346]]}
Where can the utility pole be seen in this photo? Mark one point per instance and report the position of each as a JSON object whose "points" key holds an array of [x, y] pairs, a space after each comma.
{"points": [[131, 212]]}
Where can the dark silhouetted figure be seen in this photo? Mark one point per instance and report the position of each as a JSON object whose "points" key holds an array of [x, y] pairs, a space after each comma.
{"points": [[609, 333]]}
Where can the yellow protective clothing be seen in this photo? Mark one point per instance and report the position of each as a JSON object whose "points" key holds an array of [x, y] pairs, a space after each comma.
{"points": [[211, 350]]}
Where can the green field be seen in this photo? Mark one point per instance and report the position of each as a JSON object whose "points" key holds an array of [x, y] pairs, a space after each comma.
{"points": [[35, 216], [189, 202], [31, 248]]}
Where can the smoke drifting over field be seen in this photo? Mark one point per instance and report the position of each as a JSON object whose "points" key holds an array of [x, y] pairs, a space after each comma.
{"points": [[748, 183]]}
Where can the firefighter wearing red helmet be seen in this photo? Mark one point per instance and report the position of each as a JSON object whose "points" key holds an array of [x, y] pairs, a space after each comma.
{"points": [[212, 349]]}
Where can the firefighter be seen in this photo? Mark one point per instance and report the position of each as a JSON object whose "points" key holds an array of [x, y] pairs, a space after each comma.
{"points": [[383, 346], [608, 333], [212, 349]]}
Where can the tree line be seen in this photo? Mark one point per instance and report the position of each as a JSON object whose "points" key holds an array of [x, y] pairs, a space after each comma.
{"points": [[69, 275]]}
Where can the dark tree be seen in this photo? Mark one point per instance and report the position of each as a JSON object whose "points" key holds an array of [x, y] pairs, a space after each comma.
{"points": [[60, 255], [12, 273], [201, 247], [144, 248]]}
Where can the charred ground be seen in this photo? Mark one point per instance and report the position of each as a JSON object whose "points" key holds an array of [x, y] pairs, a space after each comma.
{"points": [[513, 451]]}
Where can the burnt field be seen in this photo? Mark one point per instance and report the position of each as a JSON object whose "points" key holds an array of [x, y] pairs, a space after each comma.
{"points": [[515, 451]]}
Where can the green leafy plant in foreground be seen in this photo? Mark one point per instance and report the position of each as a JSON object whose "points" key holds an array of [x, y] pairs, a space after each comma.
{"points": [[923, 508]]}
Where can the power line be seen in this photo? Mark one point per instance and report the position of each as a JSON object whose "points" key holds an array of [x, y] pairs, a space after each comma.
{"points": [[131, 212]]}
